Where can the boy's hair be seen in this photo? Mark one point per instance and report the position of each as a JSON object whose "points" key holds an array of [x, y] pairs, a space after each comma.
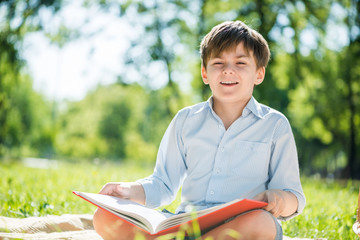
{"points": [[228, 35]]}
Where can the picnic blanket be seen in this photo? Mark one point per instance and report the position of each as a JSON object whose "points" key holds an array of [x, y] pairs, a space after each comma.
{"points": [[50, 227], [74, 227]]}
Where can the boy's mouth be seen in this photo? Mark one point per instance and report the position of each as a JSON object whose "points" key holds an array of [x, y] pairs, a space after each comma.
{"points": [[229, 83]]}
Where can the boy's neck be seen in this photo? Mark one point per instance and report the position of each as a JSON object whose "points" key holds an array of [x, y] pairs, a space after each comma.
{"points": [[229, 112]]}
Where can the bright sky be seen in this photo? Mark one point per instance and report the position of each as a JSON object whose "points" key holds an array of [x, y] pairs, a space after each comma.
{"points": [[69, 72]]}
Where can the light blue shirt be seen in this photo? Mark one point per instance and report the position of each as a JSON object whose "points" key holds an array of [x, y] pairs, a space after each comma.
{"points": [[214, 165]]}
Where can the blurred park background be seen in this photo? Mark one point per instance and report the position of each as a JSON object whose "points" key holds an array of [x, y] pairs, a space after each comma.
{"points": [[88, 87], [313, 76]]}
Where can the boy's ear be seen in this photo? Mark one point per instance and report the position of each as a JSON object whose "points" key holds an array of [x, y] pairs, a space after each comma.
{"points": [[260, 75], [204, 75]]}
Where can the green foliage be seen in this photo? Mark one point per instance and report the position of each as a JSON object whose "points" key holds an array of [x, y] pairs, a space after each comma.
{"points": [[26, 122], [117, 122], [21, 125], [312, 78], [330, 211]]}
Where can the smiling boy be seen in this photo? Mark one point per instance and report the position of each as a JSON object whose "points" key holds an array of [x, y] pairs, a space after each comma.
{"points": [[226, 148]]}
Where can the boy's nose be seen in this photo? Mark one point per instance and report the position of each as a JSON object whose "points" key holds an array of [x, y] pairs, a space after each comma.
{"points": [[228, 70]]}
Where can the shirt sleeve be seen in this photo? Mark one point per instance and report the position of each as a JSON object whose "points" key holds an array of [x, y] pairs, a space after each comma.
{"points": [[284, 166], [162, 186]]}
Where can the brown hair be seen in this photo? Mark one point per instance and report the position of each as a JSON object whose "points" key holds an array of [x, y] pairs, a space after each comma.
{"points": [[228, 35]]}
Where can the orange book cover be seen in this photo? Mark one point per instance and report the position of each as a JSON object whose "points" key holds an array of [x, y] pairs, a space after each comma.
{"points": [[156, 222]]}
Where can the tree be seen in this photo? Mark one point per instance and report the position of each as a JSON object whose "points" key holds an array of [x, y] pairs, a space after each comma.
{"points": [[18, 18], [108, 124], [350, 74], [302, 80]]}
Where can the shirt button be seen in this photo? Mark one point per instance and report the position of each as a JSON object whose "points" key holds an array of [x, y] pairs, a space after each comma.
{"points": [[222, 149], [220, 126], [218, 170], [212, 192]]}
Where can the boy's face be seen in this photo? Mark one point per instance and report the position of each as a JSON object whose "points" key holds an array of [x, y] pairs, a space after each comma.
{"points": [[232, 75]]}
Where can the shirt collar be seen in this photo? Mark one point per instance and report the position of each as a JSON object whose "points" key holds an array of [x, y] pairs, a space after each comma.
{"points": [[253, 106]]}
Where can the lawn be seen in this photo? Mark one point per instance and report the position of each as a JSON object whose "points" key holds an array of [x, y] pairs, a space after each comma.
{"points": [[28, 191]]}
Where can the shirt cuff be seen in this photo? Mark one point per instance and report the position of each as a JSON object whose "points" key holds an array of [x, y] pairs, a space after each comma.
{"points": [[152, 199]]}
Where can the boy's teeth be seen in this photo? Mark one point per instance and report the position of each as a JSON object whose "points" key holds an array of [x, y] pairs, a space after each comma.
{"points": [[228, 82]]}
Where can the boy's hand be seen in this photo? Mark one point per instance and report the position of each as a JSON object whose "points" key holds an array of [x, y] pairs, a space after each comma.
{"points": [[280, 203], [132, 191], [116, 189]]}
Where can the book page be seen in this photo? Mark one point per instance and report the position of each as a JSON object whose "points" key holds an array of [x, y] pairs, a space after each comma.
{"points": [[130, 219], [210, 216], [149, 217], [185, 217]]}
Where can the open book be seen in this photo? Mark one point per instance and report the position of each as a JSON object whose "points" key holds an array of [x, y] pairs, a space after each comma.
{"points": [[156, 222]]}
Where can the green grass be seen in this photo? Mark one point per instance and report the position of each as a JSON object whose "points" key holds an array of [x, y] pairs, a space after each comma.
{"points": [[329, 213], [38, 192]]}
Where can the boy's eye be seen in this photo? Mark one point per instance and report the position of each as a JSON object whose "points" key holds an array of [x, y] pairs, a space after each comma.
{"points": [[240, 63]]}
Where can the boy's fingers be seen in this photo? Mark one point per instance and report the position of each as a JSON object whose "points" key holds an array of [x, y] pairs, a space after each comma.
{"points": [[272, 206], [273, 200], [110, 189], [120, 190], [104, 189], [260, 197], [123, 191], [275, 211], [264, 196], [276, 203]]}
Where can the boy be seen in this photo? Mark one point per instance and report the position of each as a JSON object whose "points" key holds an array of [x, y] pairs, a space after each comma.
{"points": [[226, 148]]}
